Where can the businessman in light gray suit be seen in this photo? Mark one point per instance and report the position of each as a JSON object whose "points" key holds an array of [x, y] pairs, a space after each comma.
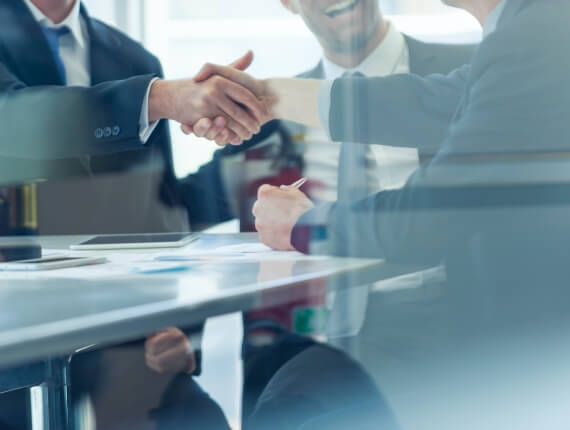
{"points": [[490, 202]]}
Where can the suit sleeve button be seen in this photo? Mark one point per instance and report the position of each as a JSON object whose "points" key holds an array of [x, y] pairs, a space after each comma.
{"points": [[107, 131], [99, 133], [116, 130]]}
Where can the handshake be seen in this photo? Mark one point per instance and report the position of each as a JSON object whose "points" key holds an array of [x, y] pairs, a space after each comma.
{"points": [[221, 103]]}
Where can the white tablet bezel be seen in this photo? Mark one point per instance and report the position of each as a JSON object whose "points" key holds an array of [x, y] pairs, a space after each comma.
{"points": [[191, 237]]}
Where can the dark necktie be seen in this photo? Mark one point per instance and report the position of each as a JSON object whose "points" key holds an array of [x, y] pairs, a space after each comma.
{"points": [[356, 162], [53, 35]]}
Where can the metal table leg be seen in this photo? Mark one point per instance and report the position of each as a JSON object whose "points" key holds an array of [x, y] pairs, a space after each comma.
{"points": [[51, 401]]}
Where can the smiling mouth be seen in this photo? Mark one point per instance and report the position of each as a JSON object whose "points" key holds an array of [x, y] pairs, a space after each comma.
{"points": [[341, 7]]}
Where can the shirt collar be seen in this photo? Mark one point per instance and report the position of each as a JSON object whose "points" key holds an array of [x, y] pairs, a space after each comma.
{"points": [[72, 21], [493, 19], [381, 62]]}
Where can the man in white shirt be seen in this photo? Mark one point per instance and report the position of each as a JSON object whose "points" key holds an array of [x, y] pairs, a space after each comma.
{"points": [[356, 38]]}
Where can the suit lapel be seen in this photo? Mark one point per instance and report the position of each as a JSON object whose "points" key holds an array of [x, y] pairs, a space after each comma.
{"points": [[27, 50], [421, 59], [317, 73], [103, 51], [512, 8]]}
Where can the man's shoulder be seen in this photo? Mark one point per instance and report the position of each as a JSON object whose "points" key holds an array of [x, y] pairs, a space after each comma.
{"points": [[427, 58], [131, 50], [512, 45], [316, 72]]}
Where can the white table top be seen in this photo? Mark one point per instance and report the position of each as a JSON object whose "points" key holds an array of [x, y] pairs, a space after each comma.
{"points": [[57, 315]]}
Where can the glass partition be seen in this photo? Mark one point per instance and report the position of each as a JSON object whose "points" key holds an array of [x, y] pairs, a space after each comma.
{"points": [[379, 191]]}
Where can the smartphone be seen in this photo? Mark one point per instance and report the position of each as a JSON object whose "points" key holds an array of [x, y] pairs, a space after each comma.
{"points": [[51, 263]]}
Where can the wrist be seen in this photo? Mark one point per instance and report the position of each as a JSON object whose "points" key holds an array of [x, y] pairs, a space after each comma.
{"points": [[160, 101], [269, 95]]}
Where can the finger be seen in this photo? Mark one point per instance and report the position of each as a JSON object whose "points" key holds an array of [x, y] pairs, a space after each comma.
{"points": [[208, 69], [202, 127], [229, 137], [153, 365], [239, 133], [243, 62], [164, 342], [230, 73], [219, 125], [186, 129], [237, 114], [224, 137], [247, 98], [171, 361], [265, 190]]}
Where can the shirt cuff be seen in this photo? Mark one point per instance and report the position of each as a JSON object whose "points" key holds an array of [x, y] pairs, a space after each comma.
{"points": [[325, 93], [309, 235], [146, 129]]}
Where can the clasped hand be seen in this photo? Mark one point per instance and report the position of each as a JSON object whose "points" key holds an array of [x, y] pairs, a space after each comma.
{"points": [[219, 129], [221, 103]]}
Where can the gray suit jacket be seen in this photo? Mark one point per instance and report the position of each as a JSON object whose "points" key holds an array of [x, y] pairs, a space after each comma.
{"points": [[425, 59], [493, 201]]}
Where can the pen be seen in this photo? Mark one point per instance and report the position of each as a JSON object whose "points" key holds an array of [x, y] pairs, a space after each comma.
{"points": [[298, 184]]}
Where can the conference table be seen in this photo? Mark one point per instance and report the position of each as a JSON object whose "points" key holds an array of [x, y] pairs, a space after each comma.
{"points": [[47, 317]]}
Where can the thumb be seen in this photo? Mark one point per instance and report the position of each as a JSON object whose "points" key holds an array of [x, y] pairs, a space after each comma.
{"points": [[244, 62], [240, 64]]}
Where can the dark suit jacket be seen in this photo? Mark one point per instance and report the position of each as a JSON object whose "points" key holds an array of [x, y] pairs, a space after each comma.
{"points": [[425, 59], [95, 183], [492, 203]]}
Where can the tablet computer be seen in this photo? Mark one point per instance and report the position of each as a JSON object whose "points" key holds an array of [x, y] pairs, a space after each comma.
{"points": [[136, 241]]}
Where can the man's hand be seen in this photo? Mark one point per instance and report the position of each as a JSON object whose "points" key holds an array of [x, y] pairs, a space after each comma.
{"points": [[216, 130], [234, 109], [169, 351], [276, 212]]}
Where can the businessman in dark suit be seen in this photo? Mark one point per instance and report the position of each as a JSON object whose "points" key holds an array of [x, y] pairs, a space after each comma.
{"points": [[81, 109], [96, 140]]}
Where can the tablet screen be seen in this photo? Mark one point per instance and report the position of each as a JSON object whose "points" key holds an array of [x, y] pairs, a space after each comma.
{"points": [[136, 238]]}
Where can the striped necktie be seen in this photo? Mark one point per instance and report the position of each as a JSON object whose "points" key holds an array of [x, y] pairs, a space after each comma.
{"points": [[52, 36]]}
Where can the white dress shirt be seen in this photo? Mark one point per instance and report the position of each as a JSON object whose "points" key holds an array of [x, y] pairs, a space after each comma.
{"points": [[74, 52], [325, 90], [494, 18], [393, 165]]}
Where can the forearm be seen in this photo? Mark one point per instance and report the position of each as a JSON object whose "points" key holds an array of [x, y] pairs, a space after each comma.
{"points": [[294, 100], [71, 122], [400, 110], [160, 101]]}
